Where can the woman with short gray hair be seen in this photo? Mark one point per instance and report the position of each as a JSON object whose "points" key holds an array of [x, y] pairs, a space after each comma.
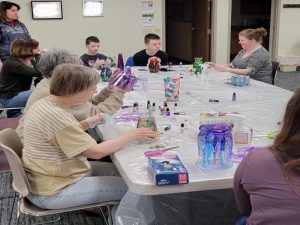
{"points": [[108, 100], [56, 147]]}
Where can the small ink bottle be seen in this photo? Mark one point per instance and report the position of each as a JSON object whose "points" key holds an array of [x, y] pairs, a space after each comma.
{"points": [[168, 112], [233, 96], [153, 107], [181, 128], [135, 107], [165, 105], [175, 106], [180, 65], [167, 127], [162, 110]]}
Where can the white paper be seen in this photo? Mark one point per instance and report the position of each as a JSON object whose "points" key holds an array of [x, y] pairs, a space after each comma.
{"points": [[148, 13], [93, 8]]}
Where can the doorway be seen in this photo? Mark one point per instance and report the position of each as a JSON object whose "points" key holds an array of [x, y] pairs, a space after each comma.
{"points": [[188, 30], [250, 14]]}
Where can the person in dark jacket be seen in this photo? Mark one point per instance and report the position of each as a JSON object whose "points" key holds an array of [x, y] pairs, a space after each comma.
{"points": [[10, 27], [17, 74], [93, 58], [152, 44]]}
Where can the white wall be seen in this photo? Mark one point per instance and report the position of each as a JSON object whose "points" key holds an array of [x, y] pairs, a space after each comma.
{"points": [[120, 30], [288, 30], [221, 31], [288, 35]]}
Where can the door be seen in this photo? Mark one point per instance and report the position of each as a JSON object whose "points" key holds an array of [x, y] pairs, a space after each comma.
{"points": [[187, 29], [201, 28], [250, 14]]}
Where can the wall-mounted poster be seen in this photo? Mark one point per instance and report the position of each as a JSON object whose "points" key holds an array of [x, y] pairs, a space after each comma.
{"points": [[46, 10], [148, 13], [92, 7]]}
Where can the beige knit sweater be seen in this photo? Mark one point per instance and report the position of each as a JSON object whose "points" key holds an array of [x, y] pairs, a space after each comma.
{"points": [[104, 102]]}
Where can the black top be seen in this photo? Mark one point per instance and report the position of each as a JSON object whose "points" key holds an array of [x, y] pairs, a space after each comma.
{"points": [[89, 60], [141, 58], [16, 77]]}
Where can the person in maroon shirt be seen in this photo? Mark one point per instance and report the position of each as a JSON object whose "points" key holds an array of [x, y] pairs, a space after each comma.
{"points": [[267, 181]]}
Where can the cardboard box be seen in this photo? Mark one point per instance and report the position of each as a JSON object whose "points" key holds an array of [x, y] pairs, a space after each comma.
{"points": [[288, 68], [168, 170]]}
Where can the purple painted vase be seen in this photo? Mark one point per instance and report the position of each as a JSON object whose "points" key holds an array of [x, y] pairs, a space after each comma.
{"points": [[215, 146]]}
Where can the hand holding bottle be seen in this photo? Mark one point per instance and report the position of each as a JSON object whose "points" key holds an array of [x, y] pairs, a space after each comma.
{"points": [[144, 134]]}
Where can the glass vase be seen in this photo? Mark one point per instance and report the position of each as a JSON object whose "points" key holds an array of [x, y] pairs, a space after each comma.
{"points": [[215, 146], [197, 66]]}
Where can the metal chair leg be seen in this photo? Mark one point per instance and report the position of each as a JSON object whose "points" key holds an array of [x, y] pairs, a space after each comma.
{"points": [[107, 219], [12, 208], [110, 219], [104, 217]]}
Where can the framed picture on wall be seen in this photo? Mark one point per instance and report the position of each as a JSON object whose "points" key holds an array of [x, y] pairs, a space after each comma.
{"points": [[92, 7], [42, 10]]}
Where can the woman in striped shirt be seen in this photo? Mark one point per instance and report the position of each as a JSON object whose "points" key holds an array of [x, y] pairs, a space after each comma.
{"points": [[253, 60]]}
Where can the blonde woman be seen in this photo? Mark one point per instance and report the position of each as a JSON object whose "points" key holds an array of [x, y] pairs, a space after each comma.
{"points": [[253, 60]]}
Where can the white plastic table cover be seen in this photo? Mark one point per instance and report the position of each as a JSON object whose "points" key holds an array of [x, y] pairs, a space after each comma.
{"points": [[262, 104]]}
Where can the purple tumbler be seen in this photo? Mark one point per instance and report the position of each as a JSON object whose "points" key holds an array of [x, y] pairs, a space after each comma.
{"points": [[120, 62], [215, 146]]}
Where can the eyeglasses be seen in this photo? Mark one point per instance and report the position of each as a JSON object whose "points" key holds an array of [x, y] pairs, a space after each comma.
{"points": [[13, 10]]}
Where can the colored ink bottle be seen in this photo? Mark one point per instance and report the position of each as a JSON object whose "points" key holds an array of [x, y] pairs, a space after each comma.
{"points": [[153, 107], [167, 127], [162, 110], [135, 107], [233, 96], [165, 105], [168, 112], [181, 128]]}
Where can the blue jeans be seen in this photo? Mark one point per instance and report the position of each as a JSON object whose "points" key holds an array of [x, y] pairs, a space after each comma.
{"points": [[103, 183], [241, 221], [19, 100]]}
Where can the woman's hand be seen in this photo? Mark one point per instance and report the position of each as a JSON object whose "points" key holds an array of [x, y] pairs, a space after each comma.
{"points": [[221, 68], [210, 64], [95, 120], [112, 87], [143, 133]]}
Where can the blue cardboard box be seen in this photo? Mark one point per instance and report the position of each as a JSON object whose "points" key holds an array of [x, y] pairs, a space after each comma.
{"points": [[168, 170]]}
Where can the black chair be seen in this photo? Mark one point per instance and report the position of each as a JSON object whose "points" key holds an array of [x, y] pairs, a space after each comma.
{"points": [[275, 66]]}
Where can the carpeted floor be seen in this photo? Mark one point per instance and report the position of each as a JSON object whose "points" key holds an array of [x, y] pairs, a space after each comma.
{"points": [[7, 203], [288, 80]]}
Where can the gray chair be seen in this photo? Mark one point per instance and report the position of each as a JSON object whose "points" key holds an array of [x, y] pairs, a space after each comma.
{"points": [[11, 144]]}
